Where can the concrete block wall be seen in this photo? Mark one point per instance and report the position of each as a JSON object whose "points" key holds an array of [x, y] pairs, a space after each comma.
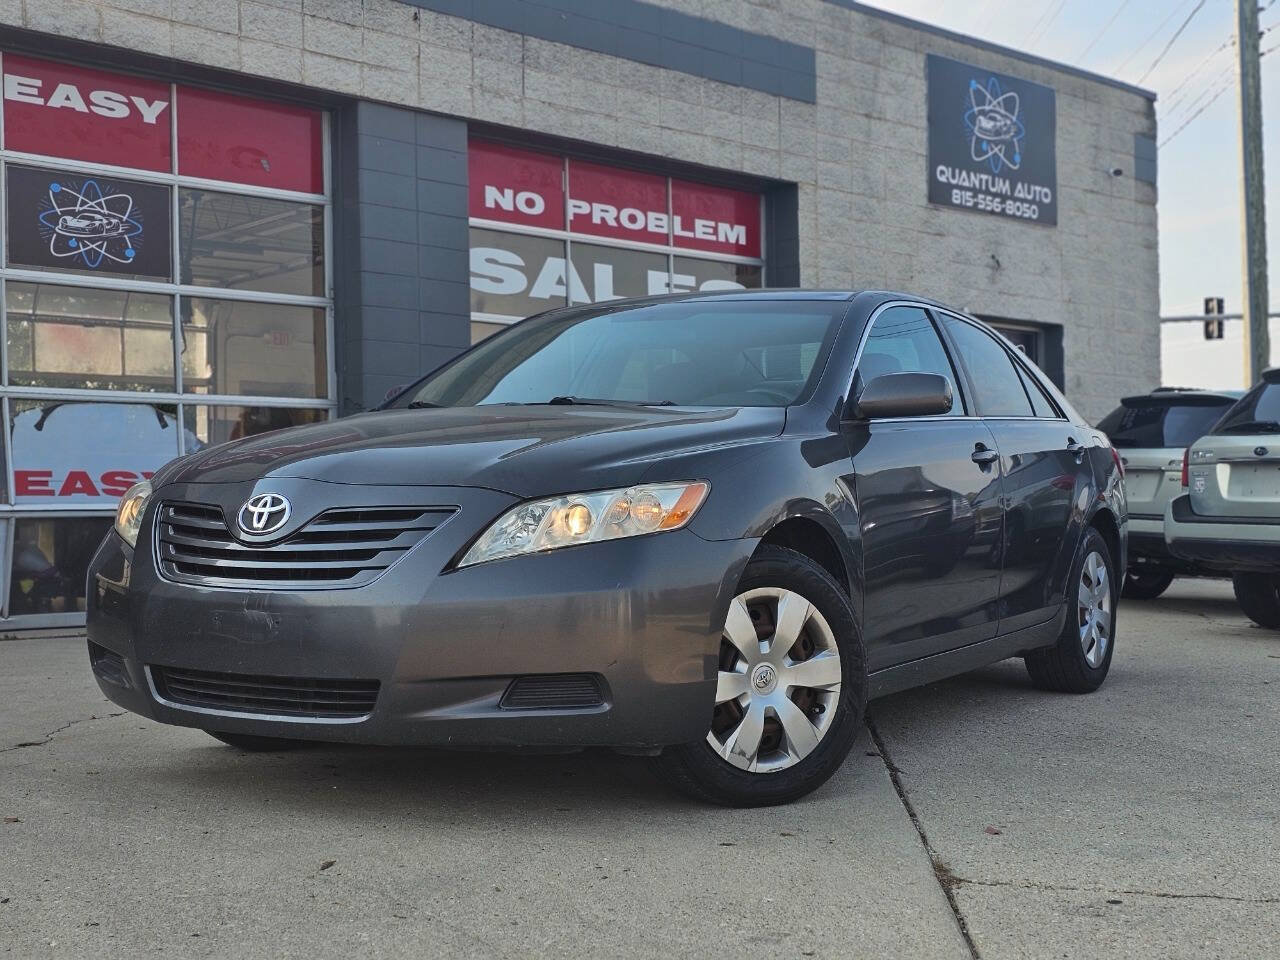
{"points": [[857, 154]]}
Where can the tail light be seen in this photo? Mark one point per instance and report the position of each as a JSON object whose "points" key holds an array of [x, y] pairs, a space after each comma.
{"points": [[1115, 456], [1186, 457]]}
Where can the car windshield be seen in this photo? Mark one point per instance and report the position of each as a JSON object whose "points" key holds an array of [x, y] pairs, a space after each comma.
{"points": [[1258, 411], [750, 353], [1157, 422]]}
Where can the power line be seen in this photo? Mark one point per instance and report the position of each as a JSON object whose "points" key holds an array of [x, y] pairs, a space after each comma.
{"points": [[1107, 26], [1225, 45], [1187, 122], [1047, 23], [1155, 33], [1176, 34], [1221, 90], [1183, 104]]}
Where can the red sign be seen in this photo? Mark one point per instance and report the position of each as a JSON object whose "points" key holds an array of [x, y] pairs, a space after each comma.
{"points": [[225, 137], [515, 186], [715, 219], [608, 202], [523, 187], [81, 114]]}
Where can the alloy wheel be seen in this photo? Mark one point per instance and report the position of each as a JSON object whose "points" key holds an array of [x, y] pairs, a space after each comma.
{"points": [[779, 681], [1094, 609]]}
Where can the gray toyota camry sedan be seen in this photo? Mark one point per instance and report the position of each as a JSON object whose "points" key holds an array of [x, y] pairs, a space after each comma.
{"points": [[706, 528]]}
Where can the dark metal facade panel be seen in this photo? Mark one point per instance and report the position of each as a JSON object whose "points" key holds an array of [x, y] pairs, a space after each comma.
{"points": [[402, 297], [647, 33], [1144, 158]]}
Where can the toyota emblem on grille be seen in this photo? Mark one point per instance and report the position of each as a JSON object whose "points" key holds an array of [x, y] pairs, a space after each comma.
{"points": [[264, 513]]}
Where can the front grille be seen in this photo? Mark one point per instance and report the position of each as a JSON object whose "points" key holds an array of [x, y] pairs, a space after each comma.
{"points": [[346, 547], [323, 699], [560, 691]]}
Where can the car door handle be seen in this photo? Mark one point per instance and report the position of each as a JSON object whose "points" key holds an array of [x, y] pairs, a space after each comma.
{"points": [[984, 456]]}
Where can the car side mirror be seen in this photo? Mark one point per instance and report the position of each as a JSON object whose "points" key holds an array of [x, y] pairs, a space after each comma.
{"points": [[903, 395]]}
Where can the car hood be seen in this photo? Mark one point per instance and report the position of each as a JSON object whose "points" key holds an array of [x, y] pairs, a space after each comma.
{"points": [[525, 451]]}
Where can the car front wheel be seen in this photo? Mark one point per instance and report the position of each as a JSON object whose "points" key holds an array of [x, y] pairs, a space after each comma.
{"points": [[1259, 597], [790, 693]]}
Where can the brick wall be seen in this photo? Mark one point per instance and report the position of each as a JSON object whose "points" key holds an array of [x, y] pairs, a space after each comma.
{"points": [[861, 223]]}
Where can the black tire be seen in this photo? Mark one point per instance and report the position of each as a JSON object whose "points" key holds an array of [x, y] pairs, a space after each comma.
{"points": [[1259, 597], [1146, 584], [255, 744], [1064, 667], [698, 770]]}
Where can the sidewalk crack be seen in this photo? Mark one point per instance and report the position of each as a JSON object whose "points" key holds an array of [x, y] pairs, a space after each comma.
{"points": [[1069, 888], [48, 737], [947, 880]]}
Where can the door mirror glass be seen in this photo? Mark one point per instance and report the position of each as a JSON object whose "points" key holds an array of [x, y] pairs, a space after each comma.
{"points": [[904, 395]]}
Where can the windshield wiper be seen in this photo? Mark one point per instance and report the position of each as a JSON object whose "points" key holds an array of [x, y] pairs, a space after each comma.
{"points": [[600, 402], [422, 405], [1252, 426]]}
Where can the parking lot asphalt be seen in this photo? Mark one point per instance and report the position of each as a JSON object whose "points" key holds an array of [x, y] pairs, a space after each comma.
{"points": [[981, 818]]}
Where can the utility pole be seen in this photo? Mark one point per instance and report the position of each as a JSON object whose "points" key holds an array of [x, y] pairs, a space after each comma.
{"points": [[1257, 339]]}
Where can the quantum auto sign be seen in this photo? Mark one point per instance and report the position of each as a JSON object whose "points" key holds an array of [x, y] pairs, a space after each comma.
{"points": [[992, 142]]}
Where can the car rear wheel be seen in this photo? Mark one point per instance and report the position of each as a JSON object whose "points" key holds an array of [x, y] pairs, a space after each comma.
{"points": [[790, 693], [1146, 584], [1259, 597], [1079, 661], [255, 744]]}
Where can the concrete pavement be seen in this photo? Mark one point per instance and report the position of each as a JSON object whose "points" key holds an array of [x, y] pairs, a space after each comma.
{"points": [[1141, 821]]}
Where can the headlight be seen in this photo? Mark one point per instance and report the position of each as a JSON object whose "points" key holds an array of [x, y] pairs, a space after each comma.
{"points": [[587, 518], [129, 512]]}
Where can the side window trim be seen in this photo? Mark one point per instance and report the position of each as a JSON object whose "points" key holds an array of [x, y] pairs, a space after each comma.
{"points": [[1019, 367], [1029, 376], [961, 374]]}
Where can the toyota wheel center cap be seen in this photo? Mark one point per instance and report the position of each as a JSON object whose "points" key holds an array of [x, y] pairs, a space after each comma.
{"points": [[764, 678]]}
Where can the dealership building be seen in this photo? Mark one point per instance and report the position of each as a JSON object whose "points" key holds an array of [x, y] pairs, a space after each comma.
{"points": [[227, 217]]}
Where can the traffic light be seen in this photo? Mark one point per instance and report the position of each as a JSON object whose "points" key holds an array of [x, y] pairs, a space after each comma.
{"points": [[1213, 325]]}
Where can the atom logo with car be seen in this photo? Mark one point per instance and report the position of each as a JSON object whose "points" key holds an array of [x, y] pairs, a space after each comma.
{"points": [[996, 131], [705, 527], [84, 222]]}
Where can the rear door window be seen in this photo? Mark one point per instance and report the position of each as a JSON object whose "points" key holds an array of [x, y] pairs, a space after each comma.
{"points": [[1155, 424], [996, 382]]}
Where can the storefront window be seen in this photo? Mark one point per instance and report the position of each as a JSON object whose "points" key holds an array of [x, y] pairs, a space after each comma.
{"points": [[611, 273], [243, 242], [669, 236], [253, 349], [692, 273], [85, 454], [215, 251], [50, 556], [513, 275], [94, 339], [211, 425]]}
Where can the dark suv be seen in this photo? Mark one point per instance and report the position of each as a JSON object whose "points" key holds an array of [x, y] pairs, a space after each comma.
{"points": [[707, 527], [1152, 432]]}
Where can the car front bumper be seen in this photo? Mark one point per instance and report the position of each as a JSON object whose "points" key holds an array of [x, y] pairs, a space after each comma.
{"points": [[1226, 545], [643, 616]]}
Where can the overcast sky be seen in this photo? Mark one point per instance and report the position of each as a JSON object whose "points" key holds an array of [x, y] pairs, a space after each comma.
{"points": [[1199, 166]]}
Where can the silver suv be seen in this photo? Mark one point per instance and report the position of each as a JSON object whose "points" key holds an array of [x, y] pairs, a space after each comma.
{"points": [[1229, 516], [1152, 431]]}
